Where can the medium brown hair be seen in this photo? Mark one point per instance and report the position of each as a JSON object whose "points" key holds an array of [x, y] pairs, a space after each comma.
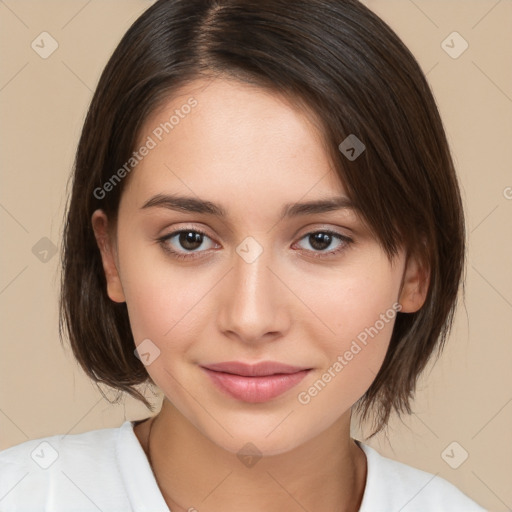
{"points": [[334, 57]]}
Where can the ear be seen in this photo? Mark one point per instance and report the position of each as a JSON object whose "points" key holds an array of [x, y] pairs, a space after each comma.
{"points": [[108, 255], [415, 284]]}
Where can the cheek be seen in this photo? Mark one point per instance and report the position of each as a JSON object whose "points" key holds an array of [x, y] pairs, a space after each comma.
{"points": [[162, 307], [351, 362], [357, 312], [352, 300], [166, 304]]}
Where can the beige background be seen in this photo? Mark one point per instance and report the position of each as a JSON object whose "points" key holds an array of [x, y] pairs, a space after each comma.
{"points": [[466, 397]]}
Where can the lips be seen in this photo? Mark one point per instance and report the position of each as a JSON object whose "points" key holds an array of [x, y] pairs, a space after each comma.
{"points": [[254, 383], [263, 368]]}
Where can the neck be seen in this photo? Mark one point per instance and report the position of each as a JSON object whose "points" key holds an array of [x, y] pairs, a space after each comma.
{"points": [[326, 473]]}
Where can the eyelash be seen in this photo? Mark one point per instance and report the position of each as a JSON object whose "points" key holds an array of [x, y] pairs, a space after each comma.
{"points": [[163, 241]]}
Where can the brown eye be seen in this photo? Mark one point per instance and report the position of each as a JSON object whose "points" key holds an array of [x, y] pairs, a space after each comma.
{"points": [[185, 243], [190, 240], [320, 241], [326, 243]]}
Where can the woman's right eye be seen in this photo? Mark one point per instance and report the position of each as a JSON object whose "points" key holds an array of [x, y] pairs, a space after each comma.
{"points": [[184, 243]]}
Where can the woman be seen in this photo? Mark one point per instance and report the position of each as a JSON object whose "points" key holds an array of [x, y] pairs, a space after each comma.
{"points": [[265, 223]]}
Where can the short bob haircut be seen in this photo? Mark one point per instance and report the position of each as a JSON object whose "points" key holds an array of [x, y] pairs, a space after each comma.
{"points": [[333, 58]]}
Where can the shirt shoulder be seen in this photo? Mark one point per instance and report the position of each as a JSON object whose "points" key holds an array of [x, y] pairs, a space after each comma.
{"points": [[62, 472], [393, 485]]}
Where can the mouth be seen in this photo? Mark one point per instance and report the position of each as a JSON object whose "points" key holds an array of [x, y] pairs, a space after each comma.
{"points": [[256, 383]]}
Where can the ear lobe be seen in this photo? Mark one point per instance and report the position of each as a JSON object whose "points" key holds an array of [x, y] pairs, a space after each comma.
{"points": [[415, 284], [106, 246]]}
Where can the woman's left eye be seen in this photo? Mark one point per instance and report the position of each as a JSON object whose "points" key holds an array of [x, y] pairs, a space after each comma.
{"points": [[320, 241], [191, 240]]}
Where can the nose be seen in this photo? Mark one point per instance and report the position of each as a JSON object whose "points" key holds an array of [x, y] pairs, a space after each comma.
{"points": [[253, 301]]}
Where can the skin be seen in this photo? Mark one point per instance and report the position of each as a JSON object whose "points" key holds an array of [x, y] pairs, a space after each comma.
{"points": [[250, 151]]}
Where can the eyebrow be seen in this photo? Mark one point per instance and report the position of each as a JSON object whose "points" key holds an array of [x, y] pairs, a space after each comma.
{"points": [[194, 205]]}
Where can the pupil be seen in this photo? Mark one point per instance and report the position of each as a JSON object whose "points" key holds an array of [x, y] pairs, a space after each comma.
{"points": [[190, 240], [320, 241]]}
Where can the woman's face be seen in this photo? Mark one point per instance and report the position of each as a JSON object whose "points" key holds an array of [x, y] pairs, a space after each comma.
{"points": [[266, 280]]}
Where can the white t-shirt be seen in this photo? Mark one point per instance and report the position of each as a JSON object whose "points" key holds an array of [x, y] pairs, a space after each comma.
{"points": [[107, 470]]}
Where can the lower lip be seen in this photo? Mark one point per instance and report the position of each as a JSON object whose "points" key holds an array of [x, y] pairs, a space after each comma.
{"points": [[255, 389]]}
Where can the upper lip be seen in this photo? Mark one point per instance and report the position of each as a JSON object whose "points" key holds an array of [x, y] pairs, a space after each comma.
{"points": [[254, 370]]}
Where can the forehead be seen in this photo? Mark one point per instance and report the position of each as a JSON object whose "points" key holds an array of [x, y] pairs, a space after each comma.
{"points": [[222, 139]]}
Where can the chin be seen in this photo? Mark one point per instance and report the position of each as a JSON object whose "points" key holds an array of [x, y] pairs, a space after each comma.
{"points": [[262, 438], [257, 446]]}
